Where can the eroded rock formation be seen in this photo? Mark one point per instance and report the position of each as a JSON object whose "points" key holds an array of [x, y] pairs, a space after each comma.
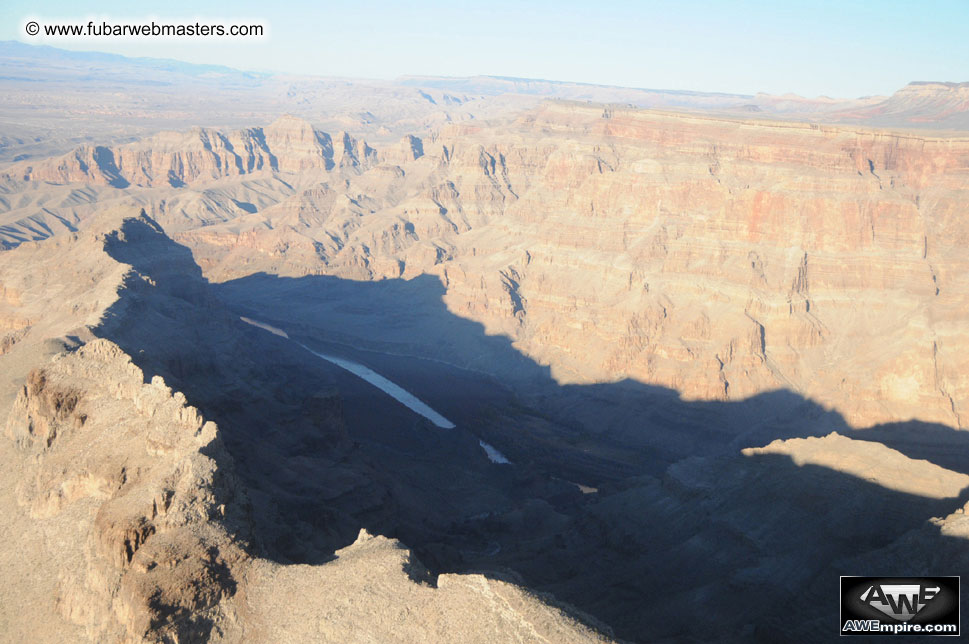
{"points": [[124, 516], [289, 144], [726, 357], [720, 258]]}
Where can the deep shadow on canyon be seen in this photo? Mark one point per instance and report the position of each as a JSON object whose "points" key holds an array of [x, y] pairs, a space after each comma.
{"points": [[686, 538]]}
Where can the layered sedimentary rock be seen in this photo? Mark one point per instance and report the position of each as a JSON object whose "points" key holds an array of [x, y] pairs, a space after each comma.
{"points": [[123, 515], [679, 311], [175, 159], [717, 257]]}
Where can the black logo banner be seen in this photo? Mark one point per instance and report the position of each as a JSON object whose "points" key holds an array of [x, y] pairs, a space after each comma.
{"points": [[900, 606]]}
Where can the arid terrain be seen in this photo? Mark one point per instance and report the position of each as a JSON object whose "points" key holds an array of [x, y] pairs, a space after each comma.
{"points": [[680, 360]]}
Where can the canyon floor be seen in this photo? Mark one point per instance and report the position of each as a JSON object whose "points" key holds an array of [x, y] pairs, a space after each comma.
{"points": [[721, 341]]}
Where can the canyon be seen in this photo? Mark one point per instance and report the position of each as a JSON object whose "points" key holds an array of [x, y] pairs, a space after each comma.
{"points": [[665, 365]]}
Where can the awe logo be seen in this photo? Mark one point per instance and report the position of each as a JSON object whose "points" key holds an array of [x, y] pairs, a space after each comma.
{"points": [[920, 606], [901, 601]]}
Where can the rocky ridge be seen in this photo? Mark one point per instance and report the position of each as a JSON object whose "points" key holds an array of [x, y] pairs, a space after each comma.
{"points": [[128, 472], [289, 144], [124, 499]]}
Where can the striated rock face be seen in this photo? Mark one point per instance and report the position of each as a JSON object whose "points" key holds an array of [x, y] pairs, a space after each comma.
{"points": [[720, 258], [175, 159], [407, 149], [674, 311], [297, 146]]}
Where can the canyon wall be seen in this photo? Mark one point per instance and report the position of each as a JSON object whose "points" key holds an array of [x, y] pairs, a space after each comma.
{"points": [[175, 159], [124, 515], [718, 257]]}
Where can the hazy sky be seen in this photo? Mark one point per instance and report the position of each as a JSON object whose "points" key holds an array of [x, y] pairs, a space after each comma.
{"points": [[835, 47]]}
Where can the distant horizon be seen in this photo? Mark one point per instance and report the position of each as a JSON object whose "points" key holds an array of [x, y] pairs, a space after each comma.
{"points": [[408, 76], [833, 48]]}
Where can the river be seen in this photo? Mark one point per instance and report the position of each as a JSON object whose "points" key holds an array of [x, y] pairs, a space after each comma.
{"points": [[387, 386]]}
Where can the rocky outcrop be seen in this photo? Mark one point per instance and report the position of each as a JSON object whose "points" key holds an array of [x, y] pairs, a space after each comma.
{"points": [[125, 515], [176, 159], [130, 472], [322, 603], [297, 146], [142, 485]]}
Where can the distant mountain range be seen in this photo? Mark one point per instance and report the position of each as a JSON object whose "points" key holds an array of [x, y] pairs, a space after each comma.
{"points": [[920, 104]]}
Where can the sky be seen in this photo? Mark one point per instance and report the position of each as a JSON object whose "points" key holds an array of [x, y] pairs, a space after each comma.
{"points": [[843, 48]]}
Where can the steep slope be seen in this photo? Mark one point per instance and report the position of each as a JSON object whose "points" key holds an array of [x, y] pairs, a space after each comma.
{"points": [[125, 475], [673, 311], [122, 511], [132, 516], [720, 258], [177, 159], [188, 179]]}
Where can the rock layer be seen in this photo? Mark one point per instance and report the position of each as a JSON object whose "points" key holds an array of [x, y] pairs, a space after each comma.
{"points": [[717, 257], [674, 311], [175, 159]]}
